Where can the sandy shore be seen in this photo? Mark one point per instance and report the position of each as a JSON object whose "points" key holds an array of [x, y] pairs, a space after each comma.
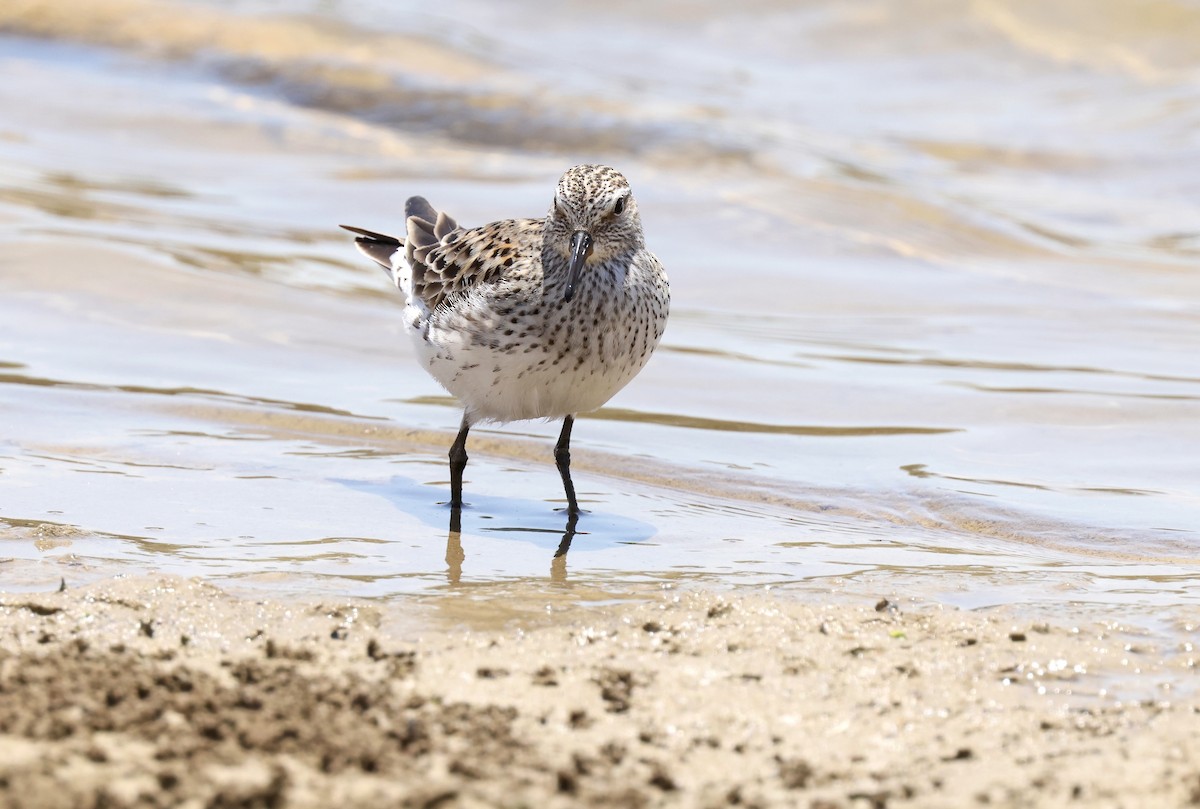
{"points": [[167, 692]]}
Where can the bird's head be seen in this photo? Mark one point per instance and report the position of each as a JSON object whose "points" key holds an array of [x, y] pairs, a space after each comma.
{"points": [[593, 218]]}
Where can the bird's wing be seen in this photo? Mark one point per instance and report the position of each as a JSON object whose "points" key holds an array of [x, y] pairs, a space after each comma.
{"points": [[447, 260]]}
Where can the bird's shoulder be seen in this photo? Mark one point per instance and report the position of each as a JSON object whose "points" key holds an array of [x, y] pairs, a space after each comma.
{"points": [[461, 259], [648, 270]]}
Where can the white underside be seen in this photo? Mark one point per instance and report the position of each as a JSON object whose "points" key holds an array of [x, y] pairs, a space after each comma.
{"points": [[523, 391], [500, 386]]}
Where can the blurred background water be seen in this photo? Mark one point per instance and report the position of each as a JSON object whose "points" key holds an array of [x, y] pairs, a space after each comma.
{"points": [[936, 301]]}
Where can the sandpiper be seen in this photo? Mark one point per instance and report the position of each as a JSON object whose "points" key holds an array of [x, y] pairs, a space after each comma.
{"points": [[530, 318]]}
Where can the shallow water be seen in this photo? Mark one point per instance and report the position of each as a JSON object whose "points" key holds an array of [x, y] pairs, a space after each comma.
{"points": [[936, 309]]}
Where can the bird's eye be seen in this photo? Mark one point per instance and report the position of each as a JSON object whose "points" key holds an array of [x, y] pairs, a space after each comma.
{"points": [[619, 208]]}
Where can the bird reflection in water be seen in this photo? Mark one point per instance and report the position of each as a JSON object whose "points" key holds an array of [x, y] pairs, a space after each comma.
{"points": [[455, 553]]}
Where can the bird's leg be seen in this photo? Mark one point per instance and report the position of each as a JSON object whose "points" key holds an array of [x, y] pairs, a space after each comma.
{"points": [[458, 462], [562, 457]]}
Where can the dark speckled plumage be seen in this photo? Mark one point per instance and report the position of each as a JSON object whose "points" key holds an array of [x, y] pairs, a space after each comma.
{"points": [[531, 318]]}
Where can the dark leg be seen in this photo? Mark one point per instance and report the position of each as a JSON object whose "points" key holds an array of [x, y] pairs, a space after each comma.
{"points": [[458, 462], [562, 457]]}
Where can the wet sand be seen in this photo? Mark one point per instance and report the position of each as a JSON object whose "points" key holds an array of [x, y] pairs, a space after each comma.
{"points": [[168, 692]]}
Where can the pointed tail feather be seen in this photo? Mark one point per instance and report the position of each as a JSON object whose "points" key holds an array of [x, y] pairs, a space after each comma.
{"points": [[376, 246]]}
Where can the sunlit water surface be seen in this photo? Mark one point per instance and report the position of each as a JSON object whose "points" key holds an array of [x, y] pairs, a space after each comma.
{"points": [[936, 308]]}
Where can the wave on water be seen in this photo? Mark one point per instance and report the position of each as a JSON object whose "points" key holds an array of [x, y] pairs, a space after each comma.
{"points": [[1035, 157], [939, 130], [389, 79], [1154, 40]]}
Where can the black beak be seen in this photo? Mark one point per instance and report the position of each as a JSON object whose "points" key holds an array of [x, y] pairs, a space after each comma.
{"points": [[581, 248]]}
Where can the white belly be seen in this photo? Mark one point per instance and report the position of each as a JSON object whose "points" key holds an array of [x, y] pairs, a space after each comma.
{"points": [[547, 366], [498, 385]]}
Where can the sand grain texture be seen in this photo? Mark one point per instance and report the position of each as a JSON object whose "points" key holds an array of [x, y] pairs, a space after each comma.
{"points": [[166, 692]]}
